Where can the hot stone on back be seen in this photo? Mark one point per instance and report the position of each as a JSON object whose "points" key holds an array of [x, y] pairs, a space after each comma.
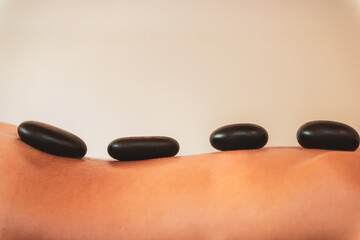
{"points": [[328, 135], [52, 140], [239, 137]]}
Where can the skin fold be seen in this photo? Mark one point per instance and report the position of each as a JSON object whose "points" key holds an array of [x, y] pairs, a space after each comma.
{"points": [[273, 193]]}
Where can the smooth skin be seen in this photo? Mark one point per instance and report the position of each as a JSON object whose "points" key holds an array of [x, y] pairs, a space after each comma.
{"points": [[268, 194]]}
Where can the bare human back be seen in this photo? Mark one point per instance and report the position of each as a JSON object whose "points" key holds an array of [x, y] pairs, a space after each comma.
{"points": [[271, 193]]}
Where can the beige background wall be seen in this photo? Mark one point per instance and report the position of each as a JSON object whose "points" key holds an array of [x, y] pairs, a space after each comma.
{"points": [[108, 69]]}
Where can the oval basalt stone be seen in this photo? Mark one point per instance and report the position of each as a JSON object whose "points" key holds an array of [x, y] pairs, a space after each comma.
{"points": [[141, 148], [52, 140], [328, 135], [238, 137]]}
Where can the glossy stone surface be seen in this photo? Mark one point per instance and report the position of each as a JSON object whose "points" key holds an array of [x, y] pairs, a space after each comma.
{"points": [[141, 148], [239, 136], [52, 140], [328, 135]]}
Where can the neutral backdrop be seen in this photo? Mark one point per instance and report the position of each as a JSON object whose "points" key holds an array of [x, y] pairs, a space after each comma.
{"points": [[108, 69]]}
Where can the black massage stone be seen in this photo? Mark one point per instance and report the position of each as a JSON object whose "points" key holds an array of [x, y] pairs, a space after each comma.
{"points": [[328, 135], [141, 148], [238, 137], [52, 140]]}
